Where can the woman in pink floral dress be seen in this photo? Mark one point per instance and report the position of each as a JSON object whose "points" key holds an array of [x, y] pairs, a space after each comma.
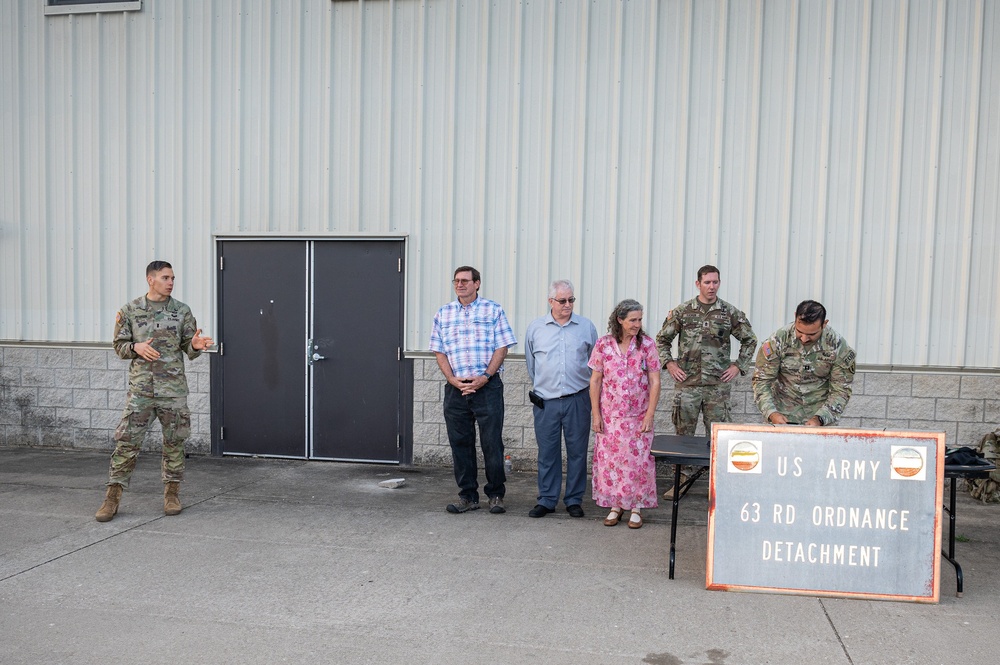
{"points": [[624, 389]]}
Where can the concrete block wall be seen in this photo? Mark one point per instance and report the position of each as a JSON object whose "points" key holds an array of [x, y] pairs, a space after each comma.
{"points": [[74, 398], [963, 406]]}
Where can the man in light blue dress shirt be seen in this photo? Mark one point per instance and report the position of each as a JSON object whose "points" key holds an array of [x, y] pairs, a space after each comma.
{"points": [[557, 348]]}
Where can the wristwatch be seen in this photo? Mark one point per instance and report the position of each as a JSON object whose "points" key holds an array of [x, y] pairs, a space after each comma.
{"points": [[487, 375]]}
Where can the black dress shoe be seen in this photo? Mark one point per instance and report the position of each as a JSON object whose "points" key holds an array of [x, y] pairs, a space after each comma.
{"points": [[576, 510], [540, 511]]}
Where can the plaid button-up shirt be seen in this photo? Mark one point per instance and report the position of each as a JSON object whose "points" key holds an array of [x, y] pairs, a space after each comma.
{"points": [[469, 335]]}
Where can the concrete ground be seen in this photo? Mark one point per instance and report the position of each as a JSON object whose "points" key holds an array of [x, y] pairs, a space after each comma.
{"points": [[308, 562]]}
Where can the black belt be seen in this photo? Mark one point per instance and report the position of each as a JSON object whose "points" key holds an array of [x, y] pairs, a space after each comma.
{"points": [[573, 394]]}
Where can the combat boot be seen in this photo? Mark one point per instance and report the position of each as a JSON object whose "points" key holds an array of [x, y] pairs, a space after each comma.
{"points": [[110, 506], [171, 500]]}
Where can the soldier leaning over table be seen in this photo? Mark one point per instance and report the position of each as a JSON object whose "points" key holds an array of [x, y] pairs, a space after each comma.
{"points": [[804, 371]]}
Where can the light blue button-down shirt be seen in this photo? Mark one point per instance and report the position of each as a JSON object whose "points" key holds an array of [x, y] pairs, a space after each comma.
{"points": [[557, 355]]}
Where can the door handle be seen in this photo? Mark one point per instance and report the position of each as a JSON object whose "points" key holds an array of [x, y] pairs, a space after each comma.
{"points": [[312, 353]]}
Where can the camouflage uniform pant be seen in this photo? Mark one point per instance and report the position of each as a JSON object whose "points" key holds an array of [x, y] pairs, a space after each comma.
{"points": [[712, 402], [175, 419]]}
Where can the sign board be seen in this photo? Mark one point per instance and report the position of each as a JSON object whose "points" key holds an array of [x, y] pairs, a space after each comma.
{"points": [[825, 511]]}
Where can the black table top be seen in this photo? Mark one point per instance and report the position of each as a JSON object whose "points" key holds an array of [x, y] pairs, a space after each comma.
{"points": [[694, 450], [968, 470]]}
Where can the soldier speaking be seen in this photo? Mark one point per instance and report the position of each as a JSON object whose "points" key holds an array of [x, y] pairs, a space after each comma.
{"points": [[154, 331]]}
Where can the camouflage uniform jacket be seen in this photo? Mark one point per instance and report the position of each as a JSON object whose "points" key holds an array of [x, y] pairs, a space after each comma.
{"points": [[170, 330], [703, 350], [801, 382]]}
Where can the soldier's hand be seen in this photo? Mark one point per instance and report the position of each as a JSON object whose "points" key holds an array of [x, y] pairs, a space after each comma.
{"points": [[145, 351], [814, 422], [777, 419], [731, 373], [199, 343], [676, 372]]}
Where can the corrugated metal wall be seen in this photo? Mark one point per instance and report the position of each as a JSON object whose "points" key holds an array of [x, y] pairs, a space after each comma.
{"points": [[844, 151]]}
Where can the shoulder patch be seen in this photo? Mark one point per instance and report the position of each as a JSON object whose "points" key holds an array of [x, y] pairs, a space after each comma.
{"points": [[118, 318], [670, 315], [767, 350]]}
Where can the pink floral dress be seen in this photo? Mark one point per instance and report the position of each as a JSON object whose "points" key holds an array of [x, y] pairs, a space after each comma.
{"points": [[624, 471]]}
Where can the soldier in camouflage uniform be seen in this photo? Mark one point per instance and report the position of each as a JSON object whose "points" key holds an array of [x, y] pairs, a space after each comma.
{"points": [[703, 370], [154, 331], [804, 371]]}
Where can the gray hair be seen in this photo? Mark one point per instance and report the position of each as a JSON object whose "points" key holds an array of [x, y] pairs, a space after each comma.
{"points": [[621, 311], [560, 284]]}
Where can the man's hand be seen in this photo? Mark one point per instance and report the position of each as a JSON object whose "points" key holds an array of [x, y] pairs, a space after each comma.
{"points": [[675, 371], [145, 351], [468, 386], [777, 419], [199, 343], [731, 373], [814, 422]]}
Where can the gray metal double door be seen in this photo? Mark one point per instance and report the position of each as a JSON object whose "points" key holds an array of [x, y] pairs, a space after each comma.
{"points": [[311, 338]]}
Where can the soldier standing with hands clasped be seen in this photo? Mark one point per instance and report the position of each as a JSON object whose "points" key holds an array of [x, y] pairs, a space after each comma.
{"points": [[154, 331], [703, 370]]}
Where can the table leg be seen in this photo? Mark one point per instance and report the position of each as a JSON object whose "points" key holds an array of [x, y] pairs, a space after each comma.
{"points": [[673, 517], [950, 554]]}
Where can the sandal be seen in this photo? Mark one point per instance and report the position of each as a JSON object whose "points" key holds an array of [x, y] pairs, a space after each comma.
{"points": [[613, 517], [635, 521]]}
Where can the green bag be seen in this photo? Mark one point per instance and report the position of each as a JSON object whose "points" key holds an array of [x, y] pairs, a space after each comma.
{"points": [[987, 489]]}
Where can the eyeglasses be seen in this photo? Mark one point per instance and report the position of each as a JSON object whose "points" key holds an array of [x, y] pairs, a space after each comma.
{"points": [[456, 282], [563, 301]]}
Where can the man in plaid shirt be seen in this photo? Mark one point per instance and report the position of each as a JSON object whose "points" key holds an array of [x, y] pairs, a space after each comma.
{"points": [[470, 339]]}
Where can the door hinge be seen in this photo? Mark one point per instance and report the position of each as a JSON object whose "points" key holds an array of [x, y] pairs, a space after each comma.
{"points": [[221, 351], [399, 265], [222, 260], [398, 353], [222, 433]]}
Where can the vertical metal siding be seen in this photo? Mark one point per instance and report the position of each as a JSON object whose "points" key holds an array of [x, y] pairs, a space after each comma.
{"points": [[844, 150], [983, 292]]}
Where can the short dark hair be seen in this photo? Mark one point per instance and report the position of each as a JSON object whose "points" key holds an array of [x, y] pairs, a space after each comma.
{"points": [[476, 277], [810, 311], [704, 270], [156, 266]]}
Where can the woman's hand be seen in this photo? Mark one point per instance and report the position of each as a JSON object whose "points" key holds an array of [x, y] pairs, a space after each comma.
{"points": [[647, 423], [596, 425]]}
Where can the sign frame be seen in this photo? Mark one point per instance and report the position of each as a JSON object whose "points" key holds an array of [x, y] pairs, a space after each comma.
{"points": [[729, 548]]}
